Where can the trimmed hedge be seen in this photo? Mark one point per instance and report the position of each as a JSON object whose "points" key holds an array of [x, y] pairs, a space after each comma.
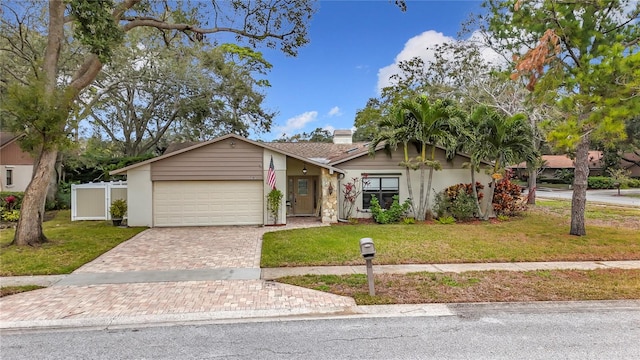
{"points": [[600, 182]]}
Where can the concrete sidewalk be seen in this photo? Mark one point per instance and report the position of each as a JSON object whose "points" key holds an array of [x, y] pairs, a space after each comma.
{"points": [[274, 273], [106, 300]]}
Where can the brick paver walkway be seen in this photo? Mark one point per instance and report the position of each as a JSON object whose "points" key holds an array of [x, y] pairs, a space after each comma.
{"points": [[128, 300], [162, 249]]}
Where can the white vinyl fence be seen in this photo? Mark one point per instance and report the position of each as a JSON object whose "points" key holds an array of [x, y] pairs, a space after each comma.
{"points": [[92, 201]]}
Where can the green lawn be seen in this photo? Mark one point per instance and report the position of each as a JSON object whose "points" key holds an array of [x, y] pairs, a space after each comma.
{"points": [[71, 245], [480, 286], [540, 234]]}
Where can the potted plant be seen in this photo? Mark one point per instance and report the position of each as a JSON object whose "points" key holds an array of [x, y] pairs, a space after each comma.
{"points": [[118, 210], [274, 199]]}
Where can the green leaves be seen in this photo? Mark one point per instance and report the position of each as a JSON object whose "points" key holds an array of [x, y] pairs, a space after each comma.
{"points": [[42, 117], [95, 27]]}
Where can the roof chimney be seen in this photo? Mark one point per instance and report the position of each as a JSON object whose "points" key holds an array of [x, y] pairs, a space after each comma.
{"points": [[342, 137]]}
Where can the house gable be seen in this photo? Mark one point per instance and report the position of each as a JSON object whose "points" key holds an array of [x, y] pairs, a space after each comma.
{"points": [[230, 159], [12, 154]]}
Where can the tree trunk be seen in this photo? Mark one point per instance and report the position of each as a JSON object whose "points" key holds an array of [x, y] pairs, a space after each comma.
{"points": [[410, 189], [421, 213], [533, 179], [426, 199], [29, 228], [488, 208], [579, 199], [475, 193]]}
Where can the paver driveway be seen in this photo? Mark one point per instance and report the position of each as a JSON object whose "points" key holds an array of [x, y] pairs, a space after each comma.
{"points": [[168, 252], [183, 249]]}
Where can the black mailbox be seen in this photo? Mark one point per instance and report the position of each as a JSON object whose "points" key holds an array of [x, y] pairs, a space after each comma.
{"points": [[367, 248]]}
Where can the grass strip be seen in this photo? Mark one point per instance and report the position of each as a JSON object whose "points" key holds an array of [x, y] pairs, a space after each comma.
{"points": [[480, 286]]}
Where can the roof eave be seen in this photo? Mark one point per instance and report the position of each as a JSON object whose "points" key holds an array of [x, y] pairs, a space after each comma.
{"points": [[222, 138]]}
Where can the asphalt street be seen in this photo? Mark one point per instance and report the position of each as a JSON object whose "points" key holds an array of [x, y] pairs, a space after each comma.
{"points": [[627, 197], [571, 330]]}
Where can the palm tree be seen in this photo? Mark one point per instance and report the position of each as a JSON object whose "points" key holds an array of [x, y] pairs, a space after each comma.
{"points": [[395, 131], [433, 124], [501, 139]]}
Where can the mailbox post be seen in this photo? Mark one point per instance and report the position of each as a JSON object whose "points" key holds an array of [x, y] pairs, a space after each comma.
{"points": [[368, 251]]}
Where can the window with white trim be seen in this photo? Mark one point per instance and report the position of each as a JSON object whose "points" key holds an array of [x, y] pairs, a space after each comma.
{"points": [[383, 188], [9, 177]]}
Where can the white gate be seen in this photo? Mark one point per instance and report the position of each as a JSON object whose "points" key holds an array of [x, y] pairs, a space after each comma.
{"points": [[92, 201]]}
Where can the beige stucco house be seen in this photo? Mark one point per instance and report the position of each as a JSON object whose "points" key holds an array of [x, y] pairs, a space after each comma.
{"points": [[224, 181], [16, 165]]}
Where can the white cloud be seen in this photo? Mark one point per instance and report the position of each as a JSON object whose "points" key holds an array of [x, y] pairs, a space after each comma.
{"points": [[296, 123], [414, 47], [335, 111], [329, 128], [422, 46]]}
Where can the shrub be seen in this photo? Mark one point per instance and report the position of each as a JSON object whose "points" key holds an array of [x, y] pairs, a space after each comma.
{"points": [[274, 198], [63, 196], [409, 220], [446, 220], [463, 207], [457, 201], [600, 182], [350, 193], [391, 215], [634, 183], [118, 209], [11, 200], [564, 175], [11, 215], [506, 198]]}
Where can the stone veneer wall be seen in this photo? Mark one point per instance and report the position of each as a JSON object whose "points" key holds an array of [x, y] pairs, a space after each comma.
{"points": [[329, 202]]}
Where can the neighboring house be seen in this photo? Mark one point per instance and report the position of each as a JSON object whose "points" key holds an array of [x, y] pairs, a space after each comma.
{"points": [[223, 181], [632, 166], [553, 163], [16, 165]]}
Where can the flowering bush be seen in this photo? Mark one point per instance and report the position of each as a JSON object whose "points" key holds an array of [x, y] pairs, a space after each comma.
{"points": [[11, 200], [350, 193]]}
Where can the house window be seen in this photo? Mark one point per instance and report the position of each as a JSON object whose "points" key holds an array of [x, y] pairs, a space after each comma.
{"points": [[9, 177], [384, 188]]}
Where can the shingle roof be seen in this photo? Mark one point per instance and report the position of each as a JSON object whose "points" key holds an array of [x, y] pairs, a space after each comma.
{"points": [[565, 162], [319, 152], [322, 152], [181, 148], [7, 137]]}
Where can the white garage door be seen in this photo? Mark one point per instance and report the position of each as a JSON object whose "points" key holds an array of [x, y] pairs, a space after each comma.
{"points": [[197, 203]]}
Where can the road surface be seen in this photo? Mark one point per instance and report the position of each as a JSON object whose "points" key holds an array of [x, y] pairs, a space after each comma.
{"points": [[581, 330]]}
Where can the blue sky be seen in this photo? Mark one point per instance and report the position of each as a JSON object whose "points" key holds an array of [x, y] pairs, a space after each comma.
{"points": [[353, 48]]}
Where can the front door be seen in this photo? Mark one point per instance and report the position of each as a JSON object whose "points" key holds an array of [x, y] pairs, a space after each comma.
{"points": [[303, 195]]}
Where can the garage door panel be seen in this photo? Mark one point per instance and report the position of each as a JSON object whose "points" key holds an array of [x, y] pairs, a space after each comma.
{"points": [[200, 203]]}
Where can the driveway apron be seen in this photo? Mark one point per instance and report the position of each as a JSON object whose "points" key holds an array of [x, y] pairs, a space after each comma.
{"points": [[166, 275]]}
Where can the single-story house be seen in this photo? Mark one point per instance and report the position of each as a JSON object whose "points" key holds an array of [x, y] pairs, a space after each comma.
{"points": [[553, 163], [631, 162], [224, 181], [16, 165]]}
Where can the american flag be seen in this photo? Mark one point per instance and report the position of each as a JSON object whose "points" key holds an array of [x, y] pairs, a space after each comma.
{"points": [[271, 175]]}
